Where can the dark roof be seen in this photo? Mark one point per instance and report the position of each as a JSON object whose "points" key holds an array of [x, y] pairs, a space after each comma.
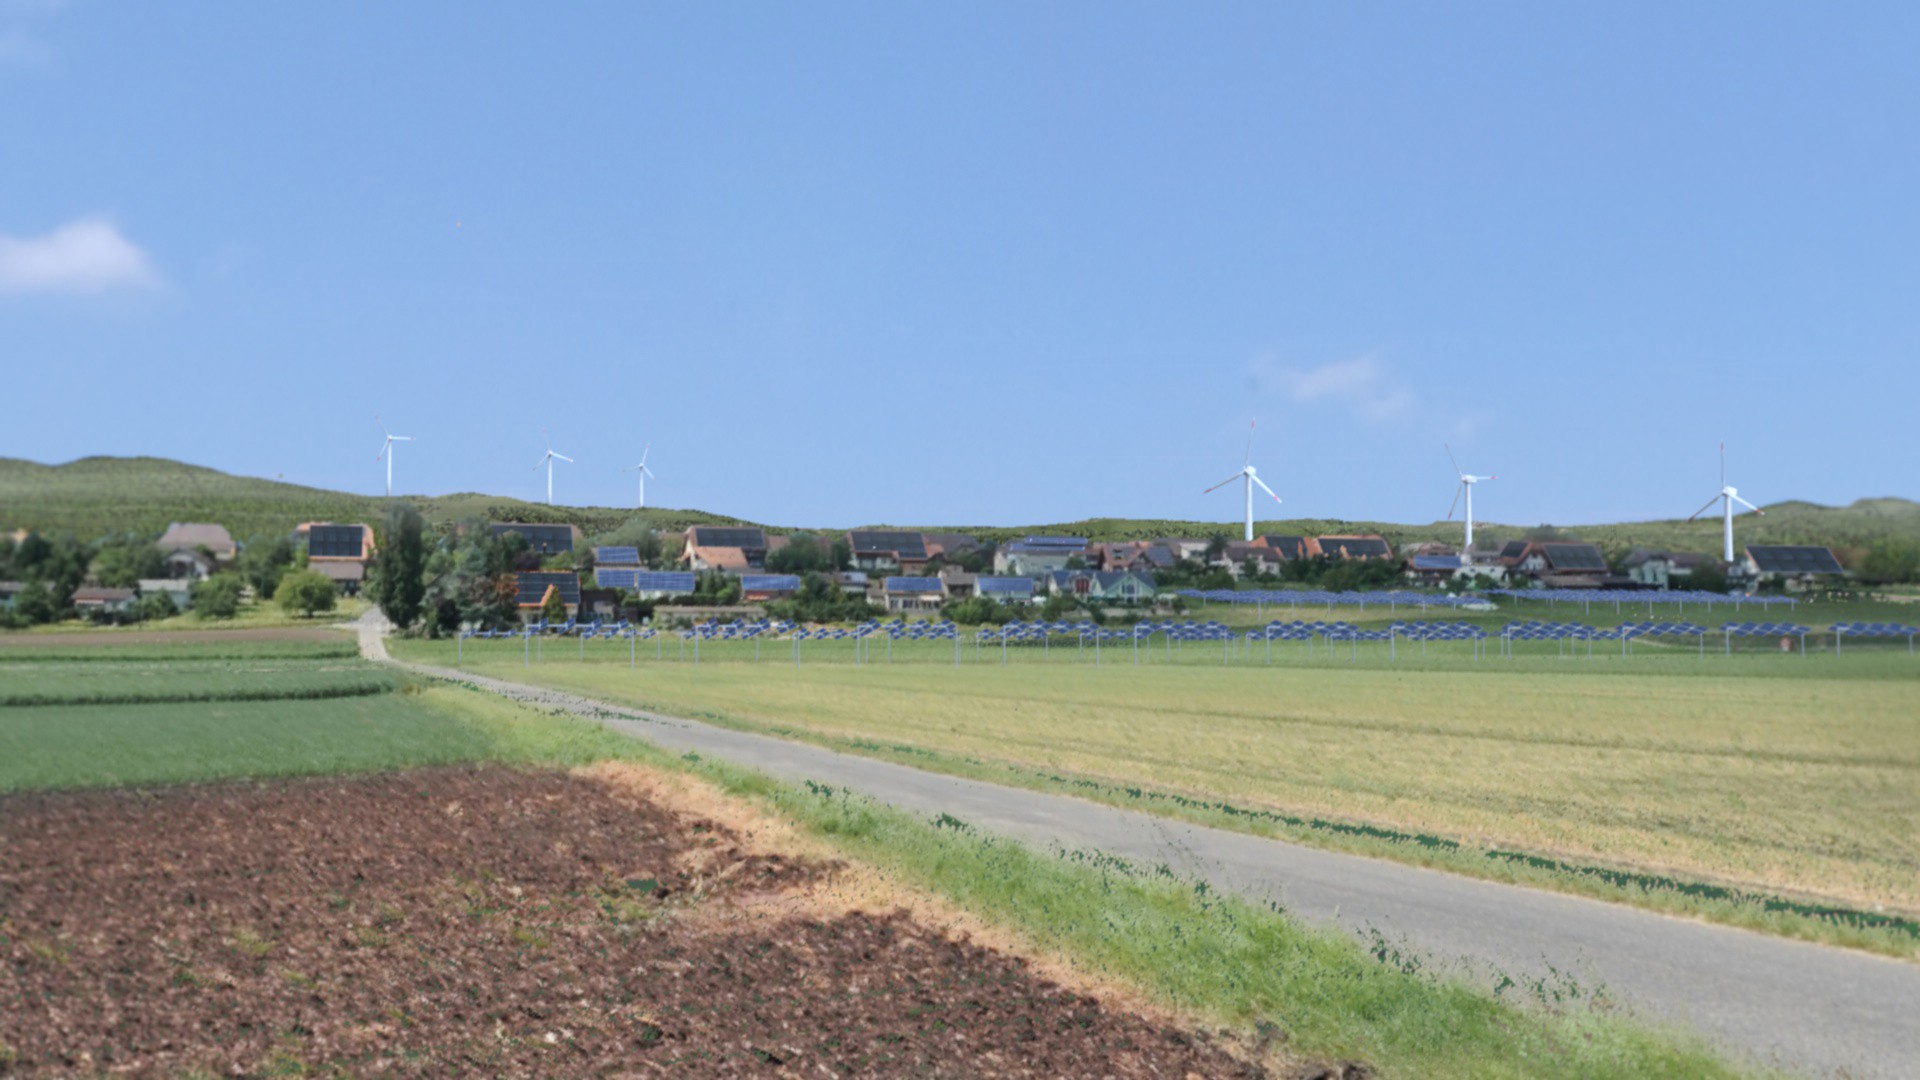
{"points": [[1641, 556], [187, 535], [742, 537], [987, 585], [952, 543], [636, 580], [545, 539], [1289, 547], [530, 588], [616, 556], [1573, 556], [1436, 562], [914, 584], [905, 545], [1054, 543], [1354, 547], [325, 540], [1160, 556], [97, 594], [770, 582], [1513, 549], [1793, 559]]}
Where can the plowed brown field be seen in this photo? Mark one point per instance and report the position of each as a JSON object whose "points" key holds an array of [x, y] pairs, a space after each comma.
{"points": [[490, 921]]}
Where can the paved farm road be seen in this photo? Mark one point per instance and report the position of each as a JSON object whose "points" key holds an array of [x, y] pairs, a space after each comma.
{"points": [[1816, 1010]]}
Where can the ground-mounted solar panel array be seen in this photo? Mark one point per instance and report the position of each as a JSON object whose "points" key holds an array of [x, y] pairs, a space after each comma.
{"points": [[336, 541]]}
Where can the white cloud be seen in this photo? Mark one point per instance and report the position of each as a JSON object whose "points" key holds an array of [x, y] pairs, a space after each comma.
{"points": [[1362, 384], [84, 256]]}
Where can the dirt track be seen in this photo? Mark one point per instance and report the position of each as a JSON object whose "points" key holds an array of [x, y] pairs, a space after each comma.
{"points": [[499, 922]]}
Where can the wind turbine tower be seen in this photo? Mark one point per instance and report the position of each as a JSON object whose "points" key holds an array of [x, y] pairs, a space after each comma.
{"points": [[1467, 480], [386, 451], [1727, 497], [1250, 475], [548, 462], [644, 473]]}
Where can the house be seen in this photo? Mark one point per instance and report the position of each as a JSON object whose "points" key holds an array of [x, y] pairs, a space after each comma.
{"points": [[876, 549], [1291, 547], [1186, 547], [1792, 566], [9, 592], [1265, 559], [1512, 552], [1364, 546], [851, 582], [327, 540], [1563, 564], [959, 583], [532, 588], [1433, 569], [1145, 555], [212, 543], [190, 565], [1654, 568], [1036, 555], [347, 575], [760, 588], [728, 549], [98, 600], [913, 593], [541, 539], [950, 546], [179, 590], [1103, 586], [645, 584], [1006, 590]]}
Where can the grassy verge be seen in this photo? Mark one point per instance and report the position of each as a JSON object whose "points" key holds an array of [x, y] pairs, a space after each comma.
{"points": [[103, 650]]}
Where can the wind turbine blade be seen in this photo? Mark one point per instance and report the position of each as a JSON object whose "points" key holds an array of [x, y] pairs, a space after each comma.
{"points": [[543, 460], [1452, 506], [564, 458], [1746, 504], [1224, 483], [1705, 508], [649, 472], [1723, 463], [1250, 426], [1450, 458], [1265, 488], [648, 449], [382, 423]]}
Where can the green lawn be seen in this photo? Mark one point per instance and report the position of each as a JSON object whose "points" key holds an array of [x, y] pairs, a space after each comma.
{"points": [[1777, 775]]}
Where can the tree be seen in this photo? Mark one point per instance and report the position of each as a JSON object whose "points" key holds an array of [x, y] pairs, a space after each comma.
{"points": [[1216, 546], [35, 604], [305, 592], [218, 597], [554, 610], [1891, 562], [471, 578], [263, 561], [121, 560], [399, 574], [155, 605]]}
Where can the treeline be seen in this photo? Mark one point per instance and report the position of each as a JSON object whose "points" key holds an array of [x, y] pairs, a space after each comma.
{"points": [[52, 568]]}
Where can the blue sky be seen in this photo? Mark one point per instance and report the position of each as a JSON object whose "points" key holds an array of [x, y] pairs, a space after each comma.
{"points": [[973, 263]]}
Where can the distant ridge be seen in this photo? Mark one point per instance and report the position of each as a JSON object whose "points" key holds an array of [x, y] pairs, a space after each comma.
{"points": [[96, 495]]}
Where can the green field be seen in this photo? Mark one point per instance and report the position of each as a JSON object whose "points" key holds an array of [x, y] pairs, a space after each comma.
{"points": [[1776, 776]]}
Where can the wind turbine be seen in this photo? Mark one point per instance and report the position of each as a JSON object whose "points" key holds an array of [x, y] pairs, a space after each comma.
{"points": [[644, 473], [548, 462], [386, 451], [1248, 473], [1467, 480], [1727, 497]]}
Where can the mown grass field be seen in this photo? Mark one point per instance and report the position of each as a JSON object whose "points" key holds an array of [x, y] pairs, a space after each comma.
{"points": [[1774, 774], [1187, 948]]}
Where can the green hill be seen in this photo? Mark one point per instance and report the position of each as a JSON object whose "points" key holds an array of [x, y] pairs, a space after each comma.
{"points": [[93, 496]]}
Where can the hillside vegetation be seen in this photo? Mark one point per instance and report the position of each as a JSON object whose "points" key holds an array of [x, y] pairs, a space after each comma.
{"points": [[97, 495]]}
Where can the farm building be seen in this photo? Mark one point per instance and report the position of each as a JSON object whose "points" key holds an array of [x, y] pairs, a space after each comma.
{"points": [[1792, 566], [196, 550], [1102, 586], [1038, 555], [913, 593], [1006, 590], [532, 588], [645, 584], [541, 539], [760, 588], [726, 548], [875, 549], [97, 599]]}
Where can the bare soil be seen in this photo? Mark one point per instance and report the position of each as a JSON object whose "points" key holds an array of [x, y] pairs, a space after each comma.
{"points": [[495, 922]]}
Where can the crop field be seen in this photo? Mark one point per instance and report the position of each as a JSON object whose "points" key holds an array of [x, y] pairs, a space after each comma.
{"points": [[1757, 775], [419, 878]]}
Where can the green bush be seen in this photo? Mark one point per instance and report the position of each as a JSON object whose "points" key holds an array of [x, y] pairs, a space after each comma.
{"points": [[305, 592], [218, 597]]}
